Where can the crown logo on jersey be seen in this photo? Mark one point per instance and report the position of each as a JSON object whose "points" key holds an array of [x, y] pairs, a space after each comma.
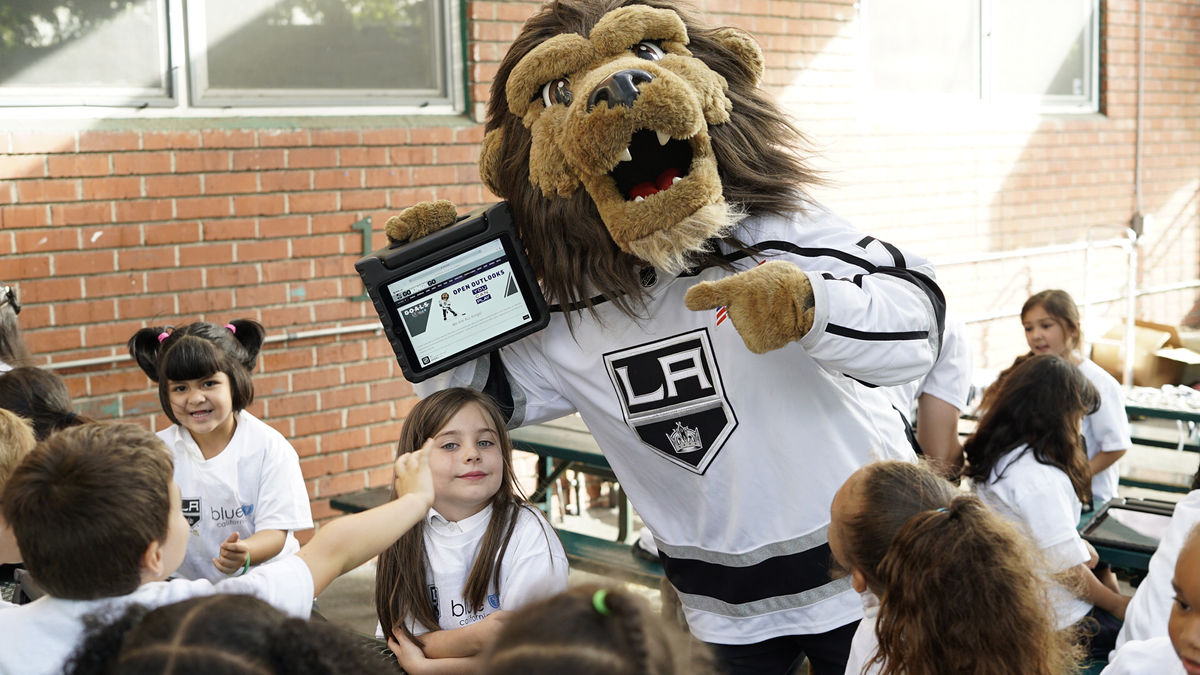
{"points": [[685, 439]]}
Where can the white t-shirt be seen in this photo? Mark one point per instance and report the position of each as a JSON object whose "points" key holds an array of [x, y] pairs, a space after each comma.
{"points": [[1106, 430], [710, 441], [38, 637], [1155, 656], [1039, 499], [1148, 611], [865, 643], [534, 566], [254, 484]]}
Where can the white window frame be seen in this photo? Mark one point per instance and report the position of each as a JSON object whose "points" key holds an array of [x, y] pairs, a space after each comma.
{"points": [[184, 80]]}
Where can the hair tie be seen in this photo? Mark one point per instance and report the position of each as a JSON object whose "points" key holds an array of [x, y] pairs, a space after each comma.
{"points": [[232, 328], [163, 336], [940, 509], [598, 602]]}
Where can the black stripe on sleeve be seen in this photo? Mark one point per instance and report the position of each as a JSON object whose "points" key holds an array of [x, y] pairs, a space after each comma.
{"points": [[865, 242], [896, 254], [875, 336], [781, 575], [932, 291]]}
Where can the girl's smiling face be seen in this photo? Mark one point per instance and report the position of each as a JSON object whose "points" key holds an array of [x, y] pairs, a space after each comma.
{"points": [[466, 463], [1046, 334], [1184, 623], [203, 406]]}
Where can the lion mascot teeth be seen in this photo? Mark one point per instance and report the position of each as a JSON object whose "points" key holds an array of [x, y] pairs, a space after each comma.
{"points": [[723, 336]]}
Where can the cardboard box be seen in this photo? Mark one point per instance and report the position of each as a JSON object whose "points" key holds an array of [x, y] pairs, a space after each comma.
{"points": [[1159, 356]]}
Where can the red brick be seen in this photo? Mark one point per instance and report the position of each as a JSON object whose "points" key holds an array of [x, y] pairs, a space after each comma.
{"points": [[46, 142], [203, 302], [106, 334], [318, 424], [324, 465], [367, 156], [205, 254], [432, 135], [225, 183], [111, 188], [47, 190], [172, 280], [364, 200], [337, 179], [172, 186], [382, 476], [97, 141], [283, 317], [182, 232], [289, 359], [50, 290], [140, 163], [278, 138], [367, 415], [341, 484], [390, 390], [322, 378], [145, 307], [335, 137], [397, 176], [372, 457], [23, 216], [285, 181], [336, 223], [384, 434], [284, 226], [314, 247], [146, 210], [235, 276], [235, 228], [170, 140], [111, 236], [256, 160], [113, 284], [340, 441], [56, 239], [286, 270], [340, 311], [227, 138], [293, 404], [258, 296], [56, 340], [202, 160], [342, 398], [144, 258], [89, 262], [202, 207], [259, 205], [308, 158], [312, 202], [81, 213], [398, 136], [248, 251]]}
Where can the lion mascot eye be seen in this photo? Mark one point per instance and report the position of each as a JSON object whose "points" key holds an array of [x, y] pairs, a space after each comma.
{"points": [[556, 91], [648, 50]]}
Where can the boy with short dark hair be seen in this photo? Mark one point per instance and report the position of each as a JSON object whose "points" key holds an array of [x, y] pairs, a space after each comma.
{"points": [[98, 518]]}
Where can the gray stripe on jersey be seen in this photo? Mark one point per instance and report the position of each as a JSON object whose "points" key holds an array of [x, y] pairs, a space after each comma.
{"points": [[703, 603], [773, 550]]}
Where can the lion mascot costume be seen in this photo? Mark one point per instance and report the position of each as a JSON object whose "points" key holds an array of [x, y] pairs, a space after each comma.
{"points": [[722, 336]]}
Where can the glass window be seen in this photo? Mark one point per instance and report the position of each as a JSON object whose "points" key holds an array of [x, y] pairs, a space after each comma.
{"points": [[83, 52], [1044, 53]]}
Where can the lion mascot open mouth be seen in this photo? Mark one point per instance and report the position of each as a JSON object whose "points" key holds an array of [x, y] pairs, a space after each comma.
{"points": [[726, 339]]}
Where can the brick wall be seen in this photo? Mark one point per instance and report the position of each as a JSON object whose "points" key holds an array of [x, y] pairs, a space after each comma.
{"points": [[111, 225]]}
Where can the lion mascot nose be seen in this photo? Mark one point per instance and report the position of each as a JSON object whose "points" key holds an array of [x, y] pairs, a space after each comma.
{"points": [[620, 88]]}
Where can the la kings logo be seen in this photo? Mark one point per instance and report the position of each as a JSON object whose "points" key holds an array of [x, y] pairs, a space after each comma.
{"points": [[672, 398]]}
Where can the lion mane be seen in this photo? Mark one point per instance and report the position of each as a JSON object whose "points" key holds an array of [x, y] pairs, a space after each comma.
{"points": [[573, 250]]}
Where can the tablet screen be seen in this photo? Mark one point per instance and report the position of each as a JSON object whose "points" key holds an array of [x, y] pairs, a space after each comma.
{"points": [[459, 303]]}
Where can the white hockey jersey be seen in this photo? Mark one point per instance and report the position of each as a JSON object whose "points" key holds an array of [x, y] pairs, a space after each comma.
{"points": [[732, 458]]}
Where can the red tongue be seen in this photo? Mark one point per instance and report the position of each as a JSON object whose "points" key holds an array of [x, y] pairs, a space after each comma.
{"points": [[664, 181]]}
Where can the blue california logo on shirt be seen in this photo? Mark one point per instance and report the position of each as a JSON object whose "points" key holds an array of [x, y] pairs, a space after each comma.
{"points": [[494, 600], [247, 509]]}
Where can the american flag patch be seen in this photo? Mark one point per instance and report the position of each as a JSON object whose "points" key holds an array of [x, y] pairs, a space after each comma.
{"points": [[721, 315]]}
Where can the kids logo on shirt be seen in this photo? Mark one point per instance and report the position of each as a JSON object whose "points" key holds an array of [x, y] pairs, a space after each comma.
{"points": [[224, 517], [191, 511]]}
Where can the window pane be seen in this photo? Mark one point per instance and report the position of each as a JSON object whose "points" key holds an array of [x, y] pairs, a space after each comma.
{"points": [[1044, 48], [81, 48], [320, 49], [923, 46]]}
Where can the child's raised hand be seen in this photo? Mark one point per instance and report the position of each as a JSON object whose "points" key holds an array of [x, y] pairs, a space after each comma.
{"points": [[233, 555], [412, 473], [408, 654]]}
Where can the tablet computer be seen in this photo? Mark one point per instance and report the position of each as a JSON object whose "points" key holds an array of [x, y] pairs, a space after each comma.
{"points": [[1130, 525], [456, 294]]}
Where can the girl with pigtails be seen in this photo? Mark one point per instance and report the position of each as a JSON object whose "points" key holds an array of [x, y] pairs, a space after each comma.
{"points": [[239, 479], [594, 630]]}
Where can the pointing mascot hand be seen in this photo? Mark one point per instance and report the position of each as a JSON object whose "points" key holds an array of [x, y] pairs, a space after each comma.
{"points": [[770, 305]]}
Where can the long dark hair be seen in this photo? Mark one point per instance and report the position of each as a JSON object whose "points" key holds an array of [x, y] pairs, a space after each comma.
{"points": [[199, 350], [570, 249], [41, 397], [401, 587], [1038, 402]]}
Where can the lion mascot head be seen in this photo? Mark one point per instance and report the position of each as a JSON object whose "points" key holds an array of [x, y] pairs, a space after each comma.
{"points": [[624, 133]]}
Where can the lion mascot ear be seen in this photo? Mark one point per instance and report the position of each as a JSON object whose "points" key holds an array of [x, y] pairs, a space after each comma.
{"points": [[746, 51]]}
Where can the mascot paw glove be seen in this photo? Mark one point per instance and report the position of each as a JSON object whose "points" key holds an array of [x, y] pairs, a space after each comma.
{"points": [[770, 305], [420, 220]]}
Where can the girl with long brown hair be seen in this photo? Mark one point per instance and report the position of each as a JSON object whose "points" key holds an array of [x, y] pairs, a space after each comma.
{"points": [[948, 586], [443, 590], [1026, 462]]}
